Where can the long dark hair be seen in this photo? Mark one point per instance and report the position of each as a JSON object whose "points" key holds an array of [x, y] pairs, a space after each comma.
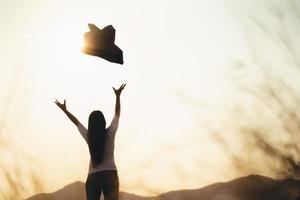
{"points": [[96, 136]]}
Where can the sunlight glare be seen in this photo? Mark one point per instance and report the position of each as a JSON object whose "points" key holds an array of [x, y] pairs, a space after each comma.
{"points": [[66, 42]]}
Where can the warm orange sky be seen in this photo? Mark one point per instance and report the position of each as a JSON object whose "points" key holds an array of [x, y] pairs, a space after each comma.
{"points": [[183, 62]]}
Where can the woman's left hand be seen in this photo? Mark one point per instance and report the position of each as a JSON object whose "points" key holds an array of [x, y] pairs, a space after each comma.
{"points": [[61, 106]]}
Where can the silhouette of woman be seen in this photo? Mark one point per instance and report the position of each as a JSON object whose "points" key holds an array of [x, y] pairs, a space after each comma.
{"points": [[103, 174]]}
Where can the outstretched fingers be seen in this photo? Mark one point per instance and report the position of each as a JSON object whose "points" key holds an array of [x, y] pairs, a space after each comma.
{"points": [[56, 102], [123, 86], [60, 105], [119, 90]]}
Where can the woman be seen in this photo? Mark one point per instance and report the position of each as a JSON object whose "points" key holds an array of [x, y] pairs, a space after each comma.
{"points": [[103, 174]]}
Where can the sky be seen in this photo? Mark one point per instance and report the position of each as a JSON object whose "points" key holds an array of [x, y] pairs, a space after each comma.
{"points": [[199, 73]]}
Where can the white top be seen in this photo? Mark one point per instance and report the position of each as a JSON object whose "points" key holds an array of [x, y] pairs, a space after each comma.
{"points": [[108, 162]]}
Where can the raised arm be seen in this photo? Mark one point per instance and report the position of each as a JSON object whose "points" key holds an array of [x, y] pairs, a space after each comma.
{"points": [[118, 104], [63, 107]]}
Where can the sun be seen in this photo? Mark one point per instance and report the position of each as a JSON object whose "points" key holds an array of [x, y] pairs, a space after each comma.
{"points": [[66, 41]]}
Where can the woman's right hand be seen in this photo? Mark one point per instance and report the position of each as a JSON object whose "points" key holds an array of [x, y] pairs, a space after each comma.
{"points": [[119, 91], [62, 106]]}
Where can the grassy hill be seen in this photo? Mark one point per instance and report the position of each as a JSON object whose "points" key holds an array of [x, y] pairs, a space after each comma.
{"points": [[252, 187]]}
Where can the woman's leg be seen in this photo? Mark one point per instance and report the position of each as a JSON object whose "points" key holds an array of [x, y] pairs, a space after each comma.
{"points": [[110, 185], [93, 187]]}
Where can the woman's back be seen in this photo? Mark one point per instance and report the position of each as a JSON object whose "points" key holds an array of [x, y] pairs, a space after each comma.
{"points": [[108, 161]]}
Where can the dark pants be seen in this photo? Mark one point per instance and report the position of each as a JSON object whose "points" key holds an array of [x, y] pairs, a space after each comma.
{"points": [[106, 181]]}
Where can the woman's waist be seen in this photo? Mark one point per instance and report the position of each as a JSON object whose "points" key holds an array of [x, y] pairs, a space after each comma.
{"points": [[105, 165]]}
